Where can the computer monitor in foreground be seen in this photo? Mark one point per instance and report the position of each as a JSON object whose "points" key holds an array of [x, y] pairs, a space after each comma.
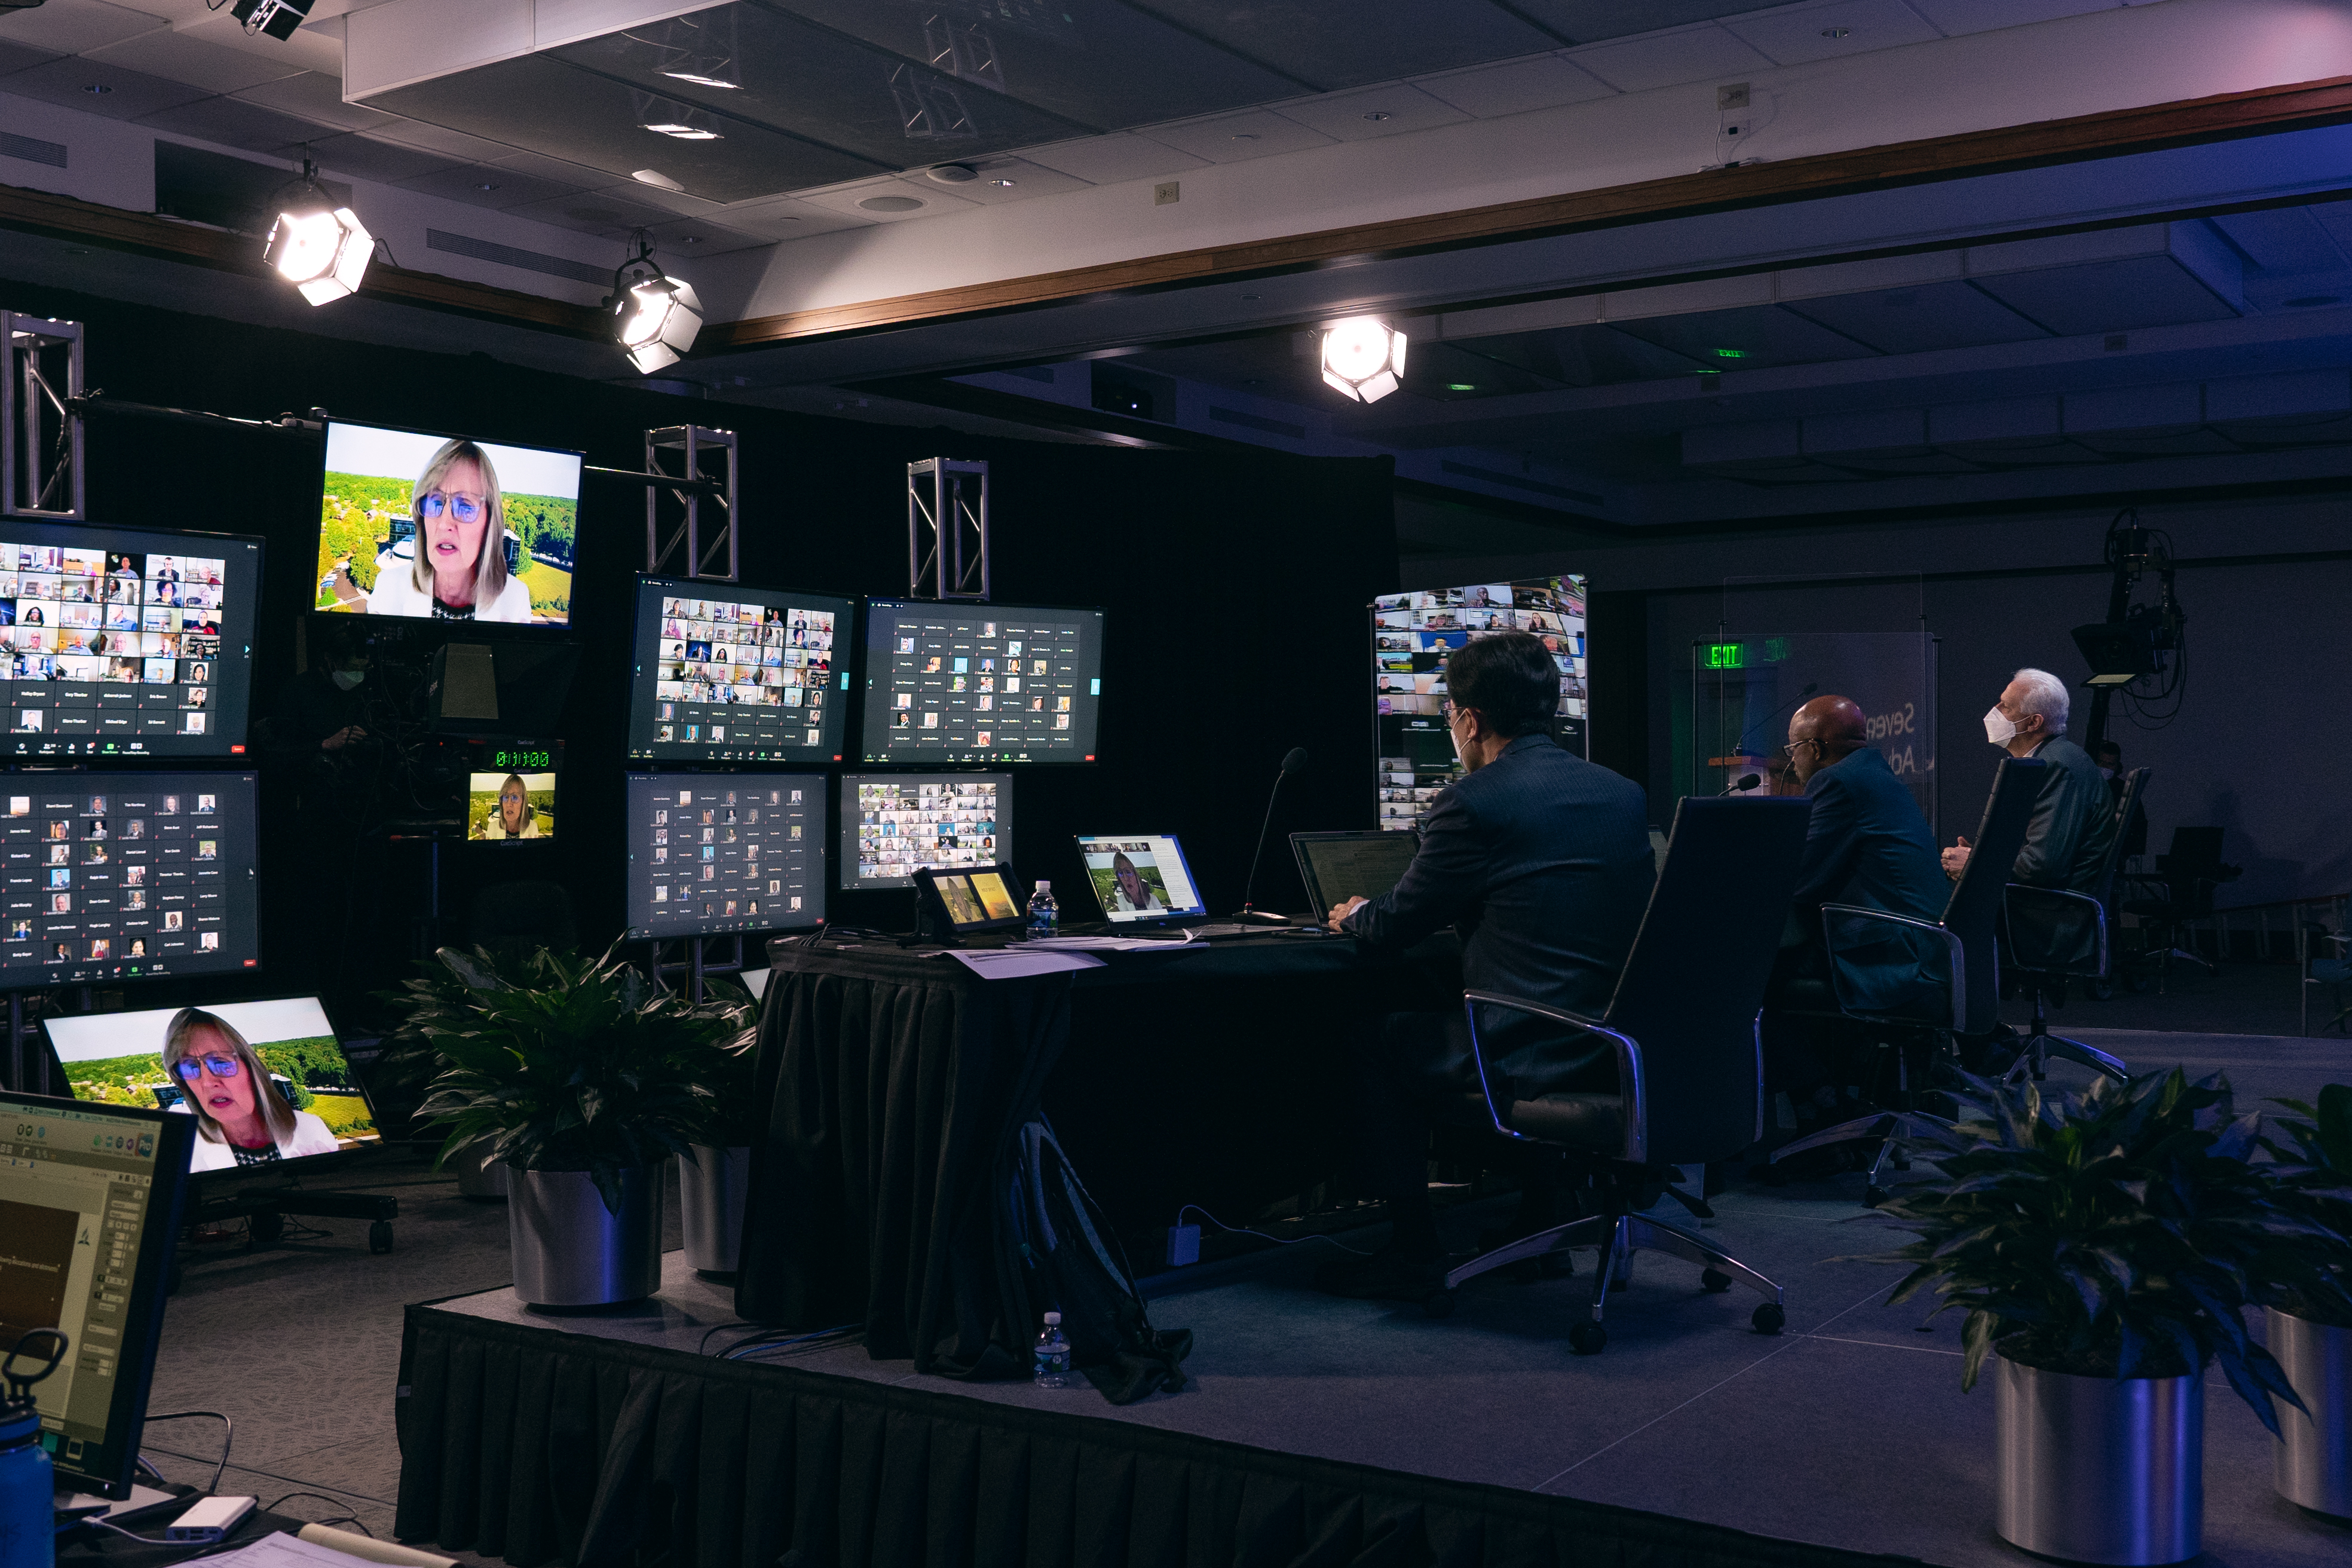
{"points": [[725, 852], [126, 877], [211, 1061], [1139, 875], [125, 642], [980, 683], [725, 673], [90, 1208], [892, 824], [437, 527]]}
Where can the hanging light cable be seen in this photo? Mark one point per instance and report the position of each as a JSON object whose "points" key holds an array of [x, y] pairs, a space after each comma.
{"points": [[654, 316], [318, 245]]}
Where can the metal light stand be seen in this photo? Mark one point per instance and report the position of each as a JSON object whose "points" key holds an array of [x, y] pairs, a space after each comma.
{"points": [[40, 424], [947, 529], [707, 459]]}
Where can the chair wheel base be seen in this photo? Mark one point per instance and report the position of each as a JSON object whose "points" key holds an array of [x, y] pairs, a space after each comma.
{"points": [[1715, 1281], [1770, 1319], [1587, 1339], [1438, 1303], [1874, 1196]]}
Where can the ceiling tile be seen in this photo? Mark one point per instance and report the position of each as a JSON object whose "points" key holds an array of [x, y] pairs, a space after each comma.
{"points": [[935, 199], [1755, 338], [1235, 138], [1516, 87], [1329, 46], [1588, 21], [232, 124], [1984, 16], [1373, 111], [15, 56], [508, 188], [2109, 296], [1831, 29], [128, 94], [788, 217], [562, 171], [1108, 160], [684, 238], [314, 96], [1920, 320], [71, 29], [1023, 180], [437, 139], [597, 211], [363, 157], [1693, 54], [177, 57]]}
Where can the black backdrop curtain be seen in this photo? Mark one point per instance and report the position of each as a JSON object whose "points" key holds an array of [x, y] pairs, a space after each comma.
{"points": [[1235, 586]]}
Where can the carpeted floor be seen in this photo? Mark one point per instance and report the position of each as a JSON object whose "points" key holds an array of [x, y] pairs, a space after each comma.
{"points": [[1850, 1428]]}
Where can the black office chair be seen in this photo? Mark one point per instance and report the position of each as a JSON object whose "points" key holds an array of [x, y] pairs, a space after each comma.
{"points": [[2168, 903], [1929, 981], [2055, 935], [1681, 1036]]}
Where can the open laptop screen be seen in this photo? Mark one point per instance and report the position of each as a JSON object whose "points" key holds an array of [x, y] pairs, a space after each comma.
{"points": [[1340, 866], [1139, 875]]}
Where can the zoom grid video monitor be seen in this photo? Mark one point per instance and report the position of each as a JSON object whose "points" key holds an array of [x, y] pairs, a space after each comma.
{"points": [[126, 642], [892, 824], [980, 683], [445, 528], [126, 877], [731, 674], [725, 852]]}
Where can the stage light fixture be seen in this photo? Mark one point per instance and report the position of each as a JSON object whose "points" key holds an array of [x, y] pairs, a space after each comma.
{"points": [[654, 316], [1363, 358], [278, 19], [318, 245]]}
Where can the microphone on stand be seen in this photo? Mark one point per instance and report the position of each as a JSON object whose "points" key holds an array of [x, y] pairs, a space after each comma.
{"points": [[1293, 762], [1745, 781]]}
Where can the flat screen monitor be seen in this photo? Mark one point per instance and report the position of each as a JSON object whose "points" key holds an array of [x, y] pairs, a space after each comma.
{"points": [[436, 527], [314, 1102], [126, 877], [126, 642], [980, 683], [90, 1197], [729, 674], [892, 824], [1139, 875], [725, 852], [510, 790]]}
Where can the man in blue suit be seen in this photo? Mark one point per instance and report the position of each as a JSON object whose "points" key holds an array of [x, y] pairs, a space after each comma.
{"points": [[1541, 861]]}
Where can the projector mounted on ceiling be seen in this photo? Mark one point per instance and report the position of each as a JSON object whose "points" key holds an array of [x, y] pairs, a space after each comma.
{"points": [[278, 18]]}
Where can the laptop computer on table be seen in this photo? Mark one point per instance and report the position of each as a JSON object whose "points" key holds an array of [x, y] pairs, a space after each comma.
{"points": [[1340, 866], [1143, 886]]}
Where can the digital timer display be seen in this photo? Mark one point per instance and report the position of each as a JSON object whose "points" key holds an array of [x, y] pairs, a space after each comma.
{"points": [[517, 760]]}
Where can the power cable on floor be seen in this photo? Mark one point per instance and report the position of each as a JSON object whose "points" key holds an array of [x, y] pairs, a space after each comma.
{"points": [[228, 1436]]}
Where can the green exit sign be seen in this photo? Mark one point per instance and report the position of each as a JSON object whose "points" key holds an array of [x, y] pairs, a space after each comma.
{"points": [[1740, 654]]}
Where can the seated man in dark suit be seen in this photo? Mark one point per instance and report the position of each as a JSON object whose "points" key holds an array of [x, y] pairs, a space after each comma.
{"points": [[1541, 861], [2073, 816], [1868, 845]]}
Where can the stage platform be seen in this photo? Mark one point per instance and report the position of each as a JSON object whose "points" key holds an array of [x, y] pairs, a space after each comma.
{"points": [[1847, 1434]]}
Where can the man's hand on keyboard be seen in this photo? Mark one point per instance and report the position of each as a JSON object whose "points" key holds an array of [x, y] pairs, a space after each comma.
{"points": [[1341, 911]]}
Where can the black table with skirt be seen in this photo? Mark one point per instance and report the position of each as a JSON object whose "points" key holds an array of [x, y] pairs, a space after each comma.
{"points": [[896, 1083]]}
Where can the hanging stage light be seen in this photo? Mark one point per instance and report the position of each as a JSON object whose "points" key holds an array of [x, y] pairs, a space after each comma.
{"points": [[654, 316], [276, 18], [320, 247], [1363, 358]]}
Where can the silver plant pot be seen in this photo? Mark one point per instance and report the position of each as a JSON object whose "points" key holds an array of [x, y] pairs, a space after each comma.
{"points": [[477, 1176], [2100, 1470], [2313, 1464], [572, 1251], [710, 1189]]}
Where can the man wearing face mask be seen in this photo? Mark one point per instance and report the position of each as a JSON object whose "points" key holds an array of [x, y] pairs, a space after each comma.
{"points": [[1541, 861], [2073, 818], [319, 711]]}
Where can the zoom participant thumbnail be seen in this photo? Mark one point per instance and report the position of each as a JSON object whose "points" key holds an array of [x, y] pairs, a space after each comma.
{"points": [[892, 824], [751, 676], [980, 683], [127, 878], [721, 852]]}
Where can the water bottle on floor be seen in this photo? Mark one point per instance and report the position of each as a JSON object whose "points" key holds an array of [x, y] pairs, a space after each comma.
{"points": [[1052, 1357], [1045, 915]]}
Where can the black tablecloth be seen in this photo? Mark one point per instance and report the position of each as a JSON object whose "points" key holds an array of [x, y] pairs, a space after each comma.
{"points": [[894, 1081]]}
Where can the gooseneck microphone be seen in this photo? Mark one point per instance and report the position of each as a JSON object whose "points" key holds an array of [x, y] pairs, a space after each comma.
{"points": [[1293, 762], [1745, 781]]}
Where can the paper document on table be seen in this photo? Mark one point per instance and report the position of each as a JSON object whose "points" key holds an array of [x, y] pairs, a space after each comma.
{"points": [[1012, 962], [1101, 943], [279, 1550]]}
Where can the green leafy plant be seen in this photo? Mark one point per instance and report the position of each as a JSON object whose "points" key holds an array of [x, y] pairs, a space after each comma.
{"points": [[566, 1063], [2316, 1162], [2120, 1234]]}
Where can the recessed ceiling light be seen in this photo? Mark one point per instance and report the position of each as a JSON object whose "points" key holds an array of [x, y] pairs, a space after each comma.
{"points": [[691, 239], [97, 88], [890, 203], [1006, 185], [1836, 32], [683, 131], [703, 80], [952, 174], [656, 179], [1460, 386], [1378, 114], [1242, 136], [788, 218], [486, 185]]}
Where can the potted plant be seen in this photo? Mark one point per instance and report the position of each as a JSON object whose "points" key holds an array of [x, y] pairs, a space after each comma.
{"points": [[581, 1076], [2104, 1249], [712, 1184], [2311, 1326]]}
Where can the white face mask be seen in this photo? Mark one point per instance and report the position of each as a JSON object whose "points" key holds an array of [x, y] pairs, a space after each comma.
{"points": [[1999, 728], [2107, 772], [348, 679]]}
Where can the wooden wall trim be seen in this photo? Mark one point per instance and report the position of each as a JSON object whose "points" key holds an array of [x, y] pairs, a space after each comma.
{"points": [[2110, 133], [148, 234]]}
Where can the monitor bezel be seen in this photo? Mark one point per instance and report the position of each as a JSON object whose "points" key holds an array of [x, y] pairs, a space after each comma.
{"points": [[850, 661], [936, 765], [468, 631], [1141, 917], [466, 795], [126, 1419]]}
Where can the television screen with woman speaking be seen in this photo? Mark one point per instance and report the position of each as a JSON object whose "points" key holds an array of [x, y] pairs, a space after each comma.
{"points": [[445, 528]]}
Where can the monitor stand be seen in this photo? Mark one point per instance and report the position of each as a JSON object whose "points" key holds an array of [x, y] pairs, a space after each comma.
{"points": [[73, 1507]]}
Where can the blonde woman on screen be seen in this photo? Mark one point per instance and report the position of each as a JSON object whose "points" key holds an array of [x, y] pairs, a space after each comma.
{"points": [[241, 1119], [459, 572], [513, 817]]}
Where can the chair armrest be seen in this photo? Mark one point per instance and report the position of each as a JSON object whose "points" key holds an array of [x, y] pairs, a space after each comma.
{"points": [[1955, 954], [2054, 908], [1629, 1068]]}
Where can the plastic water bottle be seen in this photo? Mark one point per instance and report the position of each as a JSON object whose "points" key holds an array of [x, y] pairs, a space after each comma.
{"points": [[1052, 1357], [27, 1535], [1044, 919]]}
